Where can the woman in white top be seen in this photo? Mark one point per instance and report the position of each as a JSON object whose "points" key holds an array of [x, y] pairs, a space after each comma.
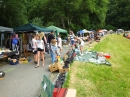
{"points": [[40, 50], [59, 43], [81, 43], [34, 48]]}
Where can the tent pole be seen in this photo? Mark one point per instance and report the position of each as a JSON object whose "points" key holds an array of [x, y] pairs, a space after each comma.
{"points": [[1, 40], [21, 46]]}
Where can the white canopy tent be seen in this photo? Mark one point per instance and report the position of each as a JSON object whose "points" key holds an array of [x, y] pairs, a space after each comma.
{"points": [[5, 30], [86, 31]]}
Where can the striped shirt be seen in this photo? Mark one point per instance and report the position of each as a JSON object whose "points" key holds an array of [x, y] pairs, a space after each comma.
{"points": [[72, 37]]}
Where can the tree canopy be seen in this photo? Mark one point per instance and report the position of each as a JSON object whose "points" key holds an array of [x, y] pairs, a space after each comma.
{"points": [[67, 14]]}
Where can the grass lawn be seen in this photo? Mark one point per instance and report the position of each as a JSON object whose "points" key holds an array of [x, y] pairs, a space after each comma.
{"points": [[91, 80]]}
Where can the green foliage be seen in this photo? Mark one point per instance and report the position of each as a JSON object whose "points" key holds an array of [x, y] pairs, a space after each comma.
{"points": [[118, 14], [67, 14], [49, 24], [13, 13], [77, 13], [37, 21], [109, 27]]}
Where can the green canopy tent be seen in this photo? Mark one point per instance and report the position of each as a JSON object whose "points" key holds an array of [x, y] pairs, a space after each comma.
{"points": [[31, 27], [57, 30]]}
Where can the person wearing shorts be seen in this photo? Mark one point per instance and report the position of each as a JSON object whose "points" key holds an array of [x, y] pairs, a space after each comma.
{"points": [[34, 48], [40, 50], [72, 39], [81, 43]]}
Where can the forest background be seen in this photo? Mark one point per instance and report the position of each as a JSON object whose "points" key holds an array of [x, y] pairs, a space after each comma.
{"points": [[67, 14]]}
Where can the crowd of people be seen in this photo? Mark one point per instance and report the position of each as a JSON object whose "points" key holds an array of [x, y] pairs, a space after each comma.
{"points": [[54, 44], [40, 44]]}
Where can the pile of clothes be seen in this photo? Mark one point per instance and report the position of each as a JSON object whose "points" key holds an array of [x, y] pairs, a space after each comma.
{"points": [[91, 56]]}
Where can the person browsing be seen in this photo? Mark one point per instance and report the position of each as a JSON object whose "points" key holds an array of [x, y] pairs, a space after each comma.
{"points": [[34, 48], [40, 49]]}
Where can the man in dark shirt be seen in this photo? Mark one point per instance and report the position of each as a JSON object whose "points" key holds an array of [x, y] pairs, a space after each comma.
{"points": [[51, 36]]}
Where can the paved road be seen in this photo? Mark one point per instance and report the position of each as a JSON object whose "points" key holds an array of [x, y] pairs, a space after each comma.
{"points": [[23, 80]]}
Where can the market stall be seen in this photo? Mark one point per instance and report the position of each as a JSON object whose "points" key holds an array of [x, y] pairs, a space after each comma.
{"points": [[5, 45], [25, 34]]}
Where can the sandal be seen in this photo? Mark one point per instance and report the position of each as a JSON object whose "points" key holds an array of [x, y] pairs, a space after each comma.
{"points": [[42, 65], [35, 62], [36, 66]]}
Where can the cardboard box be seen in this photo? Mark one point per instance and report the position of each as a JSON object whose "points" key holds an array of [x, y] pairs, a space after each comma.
{"points": [[63, 70], [65, 57], [54, 67], [71, 93]]}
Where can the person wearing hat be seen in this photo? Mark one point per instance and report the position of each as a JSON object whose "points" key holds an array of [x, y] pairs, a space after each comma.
{"points": [[50, 37], [53, 50]]}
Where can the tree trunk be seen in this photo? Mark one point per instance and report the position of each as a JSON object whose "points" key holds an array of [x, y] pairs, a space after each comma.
{"points": [[62, 22]]}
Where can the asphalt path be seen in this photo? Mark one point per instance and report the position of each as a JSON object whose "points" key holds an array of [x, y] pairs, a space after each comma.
{"points": [[24, 80]]}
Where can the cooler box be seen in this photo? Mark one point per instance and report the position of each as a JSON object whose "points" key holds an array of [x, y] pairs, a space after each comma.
{"points": [[63, 92]]}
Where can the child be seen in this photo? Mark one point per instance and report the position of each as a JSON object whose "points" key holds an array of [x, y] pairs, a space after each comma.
{"points": [[53, 50]]}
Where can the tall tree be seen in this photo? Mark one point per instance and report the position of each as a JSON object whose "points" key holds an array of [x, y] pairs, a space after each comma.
{"points": [[76, 14], [13, 13], [118, 15]]}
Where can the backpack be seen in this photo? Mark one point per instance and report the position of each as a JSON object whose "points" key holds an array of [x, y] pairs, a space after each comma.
{"points": [[15, 41]]}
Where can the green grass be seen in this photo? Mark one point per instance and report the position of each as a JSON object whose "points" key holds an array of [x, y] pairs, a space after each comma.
{"points": [[92, 80]]}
